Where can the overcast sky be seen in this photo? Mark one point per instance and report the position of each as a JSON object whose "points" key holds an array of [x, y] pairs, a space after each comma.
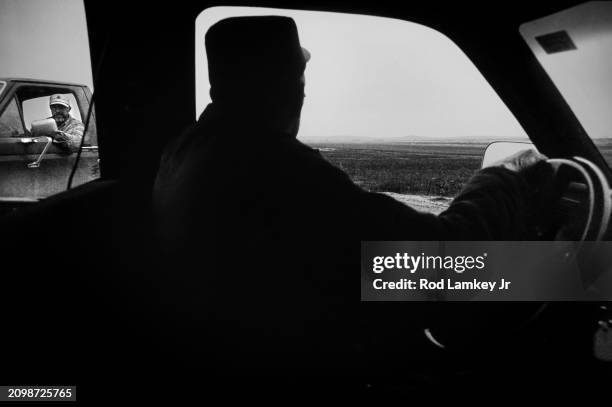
{"points": [[372, 77], [44, 39]]}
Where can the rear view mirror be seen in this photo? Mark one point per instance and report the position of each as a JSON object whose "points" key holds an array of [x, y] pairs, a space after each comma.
{"points": [[44, 127], [499, 150]]}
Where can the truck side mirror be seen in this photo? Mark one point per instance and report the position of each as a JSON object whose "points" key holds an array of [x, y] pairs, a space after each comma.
{"points": [[499, 150], [43, 128]]}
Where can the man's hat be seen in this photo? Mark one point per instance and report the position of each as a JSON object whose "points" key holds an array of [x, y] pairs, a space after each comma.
{"points": [[261, 49], [59, 100]]}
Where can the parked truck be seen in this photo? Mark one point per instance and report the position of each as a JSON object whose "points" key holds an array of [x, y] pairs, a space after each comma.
{"points": [[31, 165]]}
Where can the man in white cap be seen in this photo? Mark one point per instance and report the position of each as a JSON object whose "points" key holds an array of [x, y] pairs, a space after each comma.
{"points": [[69, 130]]}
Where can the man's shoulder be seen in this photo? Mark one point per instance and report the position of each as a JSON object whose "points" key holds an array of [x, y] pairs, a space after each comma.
{"points": [[73, 121], [300, 153], [296, 146]]}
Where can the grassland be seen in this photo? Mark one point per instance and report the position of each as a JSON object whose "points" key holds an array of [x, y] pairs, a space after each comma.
{"points": [[436, 169], [420, 168]]}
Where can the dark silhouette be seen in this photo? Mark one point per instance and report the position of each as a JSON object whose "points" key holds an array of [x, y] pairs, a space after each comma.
{"points": [[261, 235]]}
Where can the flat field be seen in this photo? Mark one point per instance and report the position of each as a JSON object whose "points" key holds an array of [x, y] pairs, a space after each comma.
{"points": [[419, 168]]}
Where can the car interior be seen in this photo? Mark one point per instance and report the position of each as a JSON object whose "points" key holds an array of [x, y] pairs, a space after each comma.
{"points": [[81, 298]]}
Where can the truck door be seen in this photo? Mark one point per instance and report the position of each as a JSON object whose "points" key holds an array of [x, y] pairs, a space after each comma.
{"points": [[35, 167]]}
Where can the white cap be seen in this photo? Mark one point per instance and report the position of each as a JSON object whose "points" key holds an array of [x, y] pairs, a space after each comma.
{"points": [[59, 100]]}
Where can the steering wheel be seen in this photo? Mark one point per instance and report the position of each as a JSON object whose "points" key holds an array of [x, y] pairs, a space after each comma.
{"points": [[582, 200], [594, 196]]}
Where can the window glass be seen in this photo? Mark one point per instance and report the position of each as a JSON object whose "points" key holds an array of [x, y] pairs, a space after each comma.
{"points": [[396, 105], [574, 46], [10, 121]]}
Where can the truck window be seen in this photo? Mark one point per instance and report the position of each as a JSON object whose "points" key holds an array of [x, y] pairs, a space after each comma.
{"points": [[38, 108], [10, 121], [396, 105]]}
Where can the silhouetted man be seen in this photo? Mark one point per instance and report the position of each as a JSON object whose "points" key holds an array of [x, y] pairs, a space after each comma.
{"points": [[262, 235]]}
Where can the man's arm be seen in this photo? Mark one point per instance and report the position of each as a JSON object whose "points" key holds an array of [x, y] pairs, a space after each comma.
{"points": [[70, 138], [497, 203]]}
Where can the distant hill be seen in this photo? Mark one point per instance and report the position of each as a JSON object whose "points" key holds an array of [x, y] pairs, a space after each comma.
{"points": [[347, 139]]}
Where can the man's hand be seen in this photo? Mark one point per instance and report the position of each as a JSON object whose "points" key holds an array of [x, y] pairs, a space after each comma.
{"points": [[521, 161], [60, 137]]}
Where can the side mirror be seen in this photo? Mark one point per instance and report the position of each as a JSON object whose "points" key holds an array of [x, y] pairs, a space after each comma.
{"points": [[500, 150], [44, 127]]}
